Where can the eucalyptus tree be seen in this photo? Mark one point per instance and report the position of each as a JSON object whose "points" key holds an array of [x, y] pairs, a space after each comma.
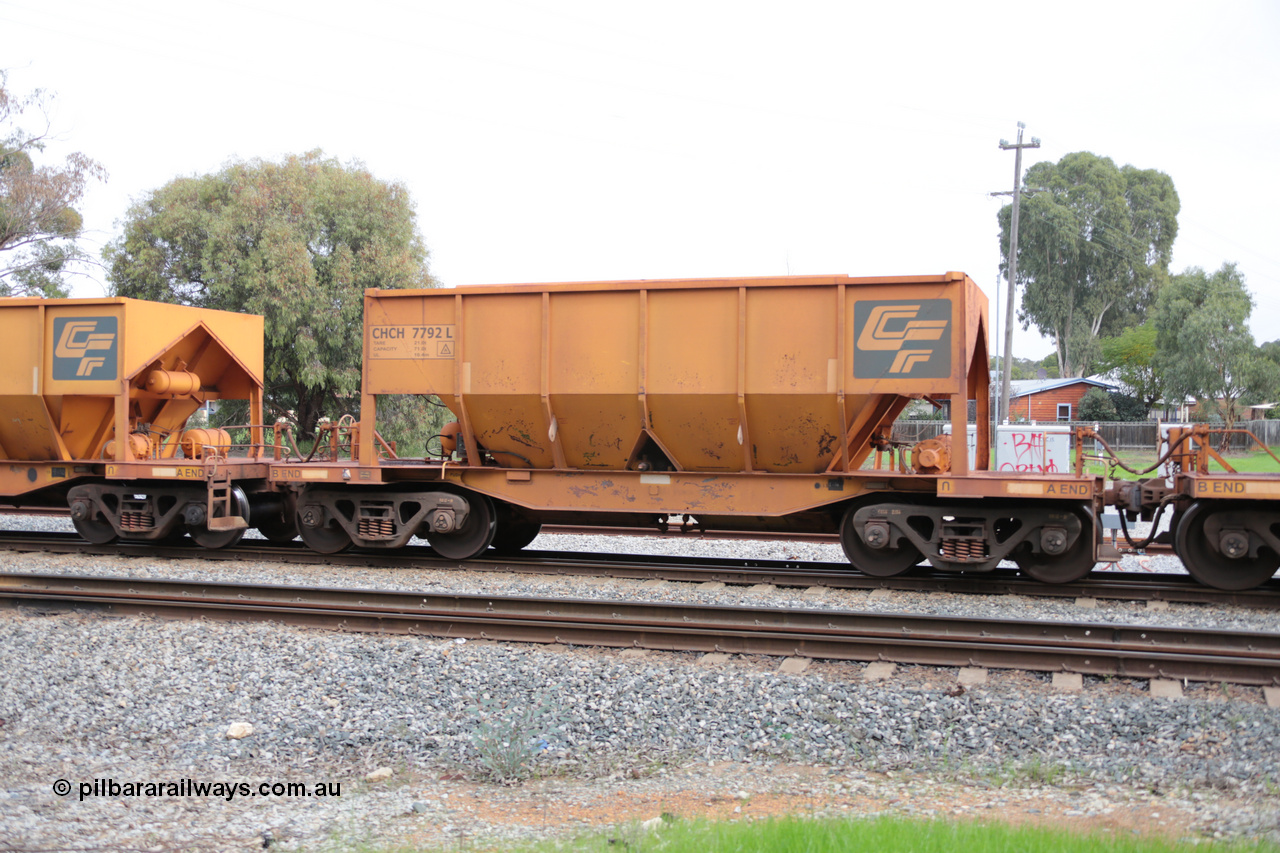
{"points": [[1130, 357], [1204, 348], [296, 241], [1094, 247], [39, 223]]}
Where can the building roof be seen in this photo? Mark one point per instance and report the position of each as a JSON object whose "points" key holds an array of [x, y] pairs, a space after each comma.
{"points": [[1027, 387]]}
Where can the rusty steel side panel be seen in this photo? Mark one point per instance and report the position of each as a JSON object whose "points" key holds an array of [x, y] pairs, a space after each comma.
{"points": [[731, 494], [728, 494], [19, 480], [792, 375], [993, 484]]}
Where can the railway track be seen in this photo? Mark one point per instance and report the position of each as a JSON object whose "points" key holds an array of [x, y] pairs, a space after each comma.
{"points": [[1122, 586], [1092, 649]]}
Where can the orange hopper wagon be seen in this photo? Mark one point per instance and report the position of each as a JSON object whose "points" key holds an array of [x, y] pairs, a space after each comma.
{"points": [[735, 404], [96, 397]]}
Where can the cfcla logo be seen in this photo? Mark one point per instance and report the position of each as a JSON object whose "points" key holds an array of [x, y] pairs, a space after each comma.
{"points": [[84, 348], [876, 334], [899, 337]]}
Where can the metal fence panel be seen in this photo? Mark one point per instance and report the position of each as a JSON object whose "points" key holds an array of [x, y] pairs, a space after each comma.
{"points": [[1139, 435]]}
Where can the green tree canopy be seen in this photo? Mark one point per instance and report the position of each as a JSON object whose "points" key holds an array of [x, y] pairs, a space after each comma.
{"points": [[1271, 350], [1094, 246], [1129, 408], [1025, 368], [1131, 358], [39, 224], [297, 242], [1204, 348]]}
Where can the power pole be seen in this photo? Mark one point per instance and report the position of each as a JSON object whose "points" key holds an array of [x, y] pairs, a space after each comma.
{"points": [[1013, 265]]}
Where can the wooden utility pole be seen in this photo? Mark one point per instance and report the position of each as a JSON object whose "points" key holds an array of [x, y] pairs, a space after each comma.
{"points": [[1003, 413]]}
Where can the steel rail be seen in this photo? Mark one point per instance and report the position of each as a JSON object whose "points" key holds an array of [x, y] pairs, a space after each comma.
{"points": [[1093, 649], [1122, 586]]}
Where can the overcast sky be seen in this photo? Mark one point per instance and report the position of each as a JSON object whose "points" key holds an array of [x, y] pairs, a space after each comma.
{"points": [[569, 141]]}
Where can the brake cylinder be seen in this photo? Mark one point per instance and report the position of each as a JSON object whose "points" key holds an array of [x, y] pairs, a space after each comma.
{"points": [[139, 445], [198, 442], [173, 383]]}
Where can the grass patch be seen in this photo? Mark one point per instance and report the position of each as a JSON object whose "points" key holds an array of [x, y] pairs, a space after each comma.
{"points": [[783, 835], [1255, 461]]}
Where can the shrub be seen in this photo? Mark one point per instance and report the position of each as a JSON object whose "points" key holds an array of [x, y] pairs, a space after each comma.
{"points": [[1128, 408], [1096, 405], [510, 737]]}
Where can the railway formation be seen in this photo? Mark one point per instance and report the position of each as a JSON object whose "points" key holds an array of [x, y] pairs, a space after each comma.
{"points": [[1239, 657], [1242, 657], [1107, 585]]}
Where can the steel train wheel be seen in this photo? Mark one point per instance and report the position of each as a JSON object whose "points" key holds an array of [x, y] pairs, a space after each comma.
{"points": [[1193, 544], [279, 530], [214, 539], [95, 531], [877, 562], [475, 535], [514, 531], [322, 540], [514, 534], [1072, 565]]}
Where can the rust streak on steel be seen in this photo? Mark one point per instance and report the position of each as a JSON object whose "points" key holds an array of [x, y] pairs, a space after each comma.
{"points": [[1094, 649]]}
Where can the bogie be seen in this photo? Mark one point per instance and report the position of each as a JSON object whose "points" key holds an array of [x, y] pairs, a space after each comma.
{"points": [[1227, 545], [890, 534], [157, 512]]}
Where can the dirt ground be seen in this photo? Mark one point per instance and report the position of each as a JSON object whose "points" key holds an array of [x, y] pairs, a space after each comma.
{"points": [[458, 811]]}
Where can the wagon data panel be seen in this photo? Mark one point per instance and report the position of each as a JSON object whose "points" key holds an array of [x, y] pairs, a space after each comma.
{"points": [[412, 341]]}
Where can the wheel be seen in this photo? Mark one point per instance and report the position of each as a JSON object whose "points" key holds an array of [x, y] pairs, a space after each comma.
{"points": [[329, 539], [877, 562], [1195, 544], [514, 532], [173, 537], [474, 537], [280, 530], [95, 531], [1071, 565], [214, 539]]}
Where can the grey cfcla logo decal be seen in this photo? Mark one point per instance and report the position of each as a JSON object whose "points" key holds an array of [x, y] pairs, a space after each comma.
{"points": [[84, 347], [902, 338]]}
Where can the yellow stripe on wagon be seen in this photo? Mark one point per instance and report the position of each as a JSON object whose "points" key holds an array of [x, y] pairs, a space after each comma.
{"points": [[1220, 487], [1056, 489], [184, 472], [303, 474]]}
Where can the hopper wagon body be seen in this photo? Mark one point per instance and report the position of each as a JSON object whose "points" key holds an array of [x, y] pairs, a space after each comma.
{"points": [[96, 397], [762, 404]]}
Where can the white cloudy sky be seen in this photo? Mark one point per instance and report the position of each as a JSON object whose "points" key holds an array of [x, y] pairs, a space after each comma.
{"points": [[561, 141]]}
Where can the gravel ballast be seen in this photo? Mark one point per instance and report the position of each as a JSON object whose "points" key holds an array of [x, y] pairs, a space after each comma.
{"points": [[89, 698]]}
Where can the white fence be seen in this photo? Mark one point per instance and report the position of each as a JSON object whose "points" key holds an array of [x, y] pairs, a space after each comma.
{"points": [[1139, 435]]}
